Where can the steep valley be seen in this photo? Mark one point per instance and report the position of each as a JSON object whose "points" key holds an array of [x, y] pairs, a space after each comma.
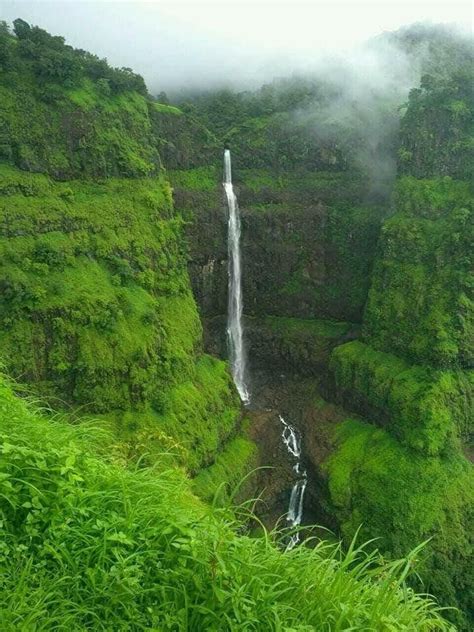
{"points": [[358, 329], [356, 333]]}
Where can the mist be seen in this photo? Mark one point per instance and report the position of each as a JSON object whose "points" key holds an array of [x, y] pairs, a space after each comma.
{"points": [[352, 49], [196, 45]]}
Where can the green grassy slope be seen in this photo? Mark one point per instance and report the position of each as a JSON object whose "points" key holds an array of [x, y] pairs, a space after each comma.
{"points": [[87, 543], [405, 497]]}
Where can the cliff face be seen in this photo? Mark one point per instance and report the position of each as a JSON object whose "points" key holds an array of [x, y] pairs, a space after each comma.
{"points": [[96, 307], [307, 252], [325, 261], [410, 372]]}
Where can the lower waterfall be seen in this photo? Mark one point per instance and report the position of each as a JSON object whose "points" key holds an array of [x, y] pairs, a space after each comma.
{"points": [[292, 440]]}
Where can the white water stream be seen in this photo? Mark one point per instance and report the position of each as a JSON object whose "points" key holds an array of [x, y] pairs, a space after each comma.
{"points": [[234, 316], [291, 437], [292, 440]]}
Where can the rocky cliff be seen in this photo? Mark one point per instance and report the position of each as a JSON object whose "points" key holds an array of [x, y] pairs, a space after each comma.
{"points": [[328, 262], [96, 307]]}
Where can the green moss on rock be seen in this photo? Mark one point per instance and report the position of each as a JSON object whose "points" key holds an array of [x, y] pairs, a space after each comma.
{"points": [[97, 312], [400, 497], [228, 477], [426, 409], [186, 424], [420, 303]]}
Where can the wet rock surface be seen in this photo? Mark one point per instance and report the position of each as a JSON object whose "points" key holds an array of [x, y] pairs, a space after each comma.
{"points": [[299, 402]]}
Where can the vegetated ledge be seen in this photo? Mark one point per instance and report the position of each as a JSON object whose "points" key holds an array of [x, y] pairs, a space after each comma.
{"points": [[388, 491], [229, 478], [426, 409], [139, 551], [97, 314]]}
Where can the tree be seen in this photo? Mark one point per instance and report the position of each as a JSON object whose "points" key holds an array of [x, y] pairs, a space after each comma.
{"points": [[21, 28]]}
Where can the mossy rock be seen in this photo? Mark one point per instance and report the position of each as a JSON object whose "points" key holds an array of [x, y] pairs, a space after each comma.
{"points": [[399, 496], [426, 409]]}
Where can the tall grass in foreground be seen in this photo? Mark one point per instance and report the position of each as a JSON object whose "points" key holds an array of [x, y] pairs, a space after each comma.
{"points": [[88, 545]]}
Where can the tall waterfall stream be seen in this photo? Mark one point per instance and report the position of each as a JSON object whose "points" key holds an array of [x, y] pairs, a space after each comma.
{"points": [[234, 316], [290, 435]]}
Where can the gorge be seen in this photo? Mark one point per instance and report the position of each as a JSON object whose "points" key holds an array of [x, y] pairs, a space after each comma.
{"points": [[206, 367]]}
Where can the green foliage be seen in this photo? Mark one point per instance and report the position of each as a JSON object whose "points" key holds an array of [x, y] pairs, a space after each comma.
{"points": [[183, 141], [436, 131], [87, 544], [166, 108], [424, 408], [55, 105], [53, 61], [191, 420], [200, 179], [96, 311], [420, 304], [228, 479], [85, 269], [186, 424], [319, 328], [303, 123], [401, 497]]}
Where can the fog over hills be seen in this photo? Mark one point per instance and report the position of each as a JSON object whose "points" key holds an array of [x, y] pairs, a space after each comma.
{"points": [[177, 45]]}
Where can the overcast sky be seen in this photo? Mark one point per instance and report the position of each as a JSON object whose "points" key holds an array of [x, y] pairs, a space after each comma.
{"points": [[190, 44]]}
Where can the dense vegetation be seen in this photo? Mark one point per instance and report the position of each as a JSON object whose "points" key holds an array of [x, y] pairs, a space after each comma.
{"points": [[327, 236], [96, 308], [68, 113], [99, 524], [412, 374], [89, 544]]}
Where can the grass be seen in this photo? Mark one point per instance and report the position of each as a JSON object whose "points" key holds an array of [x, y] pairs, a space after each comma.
{"points": [[191, 421], [87, 543], [221, 480], [199, 179], [423, 276]]}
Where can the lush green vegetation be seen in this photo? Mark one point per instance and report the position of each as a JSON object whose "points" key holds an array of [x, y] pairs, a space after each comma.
{"points": [[99, 524], [400, 497], [436, 131], [96, 308], [190, 421], [423, 275], [229, 478], [426, 409], [412, 375], [87, 543], [204, 178], [97, 313], [66, 112], [94, 274]]}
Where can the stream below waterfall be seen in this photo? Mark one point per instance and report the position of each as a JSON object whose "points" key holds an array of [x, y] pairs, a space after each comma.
{"points": [[290, 436], [292, 440]]}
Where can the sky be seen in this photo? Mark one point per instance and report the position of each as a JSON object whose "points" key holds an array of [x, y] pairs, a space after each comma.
{"points": [[185, 45]]}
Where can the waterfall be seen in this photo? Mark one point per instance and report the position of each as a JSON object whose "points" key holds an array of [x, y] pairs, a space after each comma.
{"points": [[234, 317], [292, 440]]}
